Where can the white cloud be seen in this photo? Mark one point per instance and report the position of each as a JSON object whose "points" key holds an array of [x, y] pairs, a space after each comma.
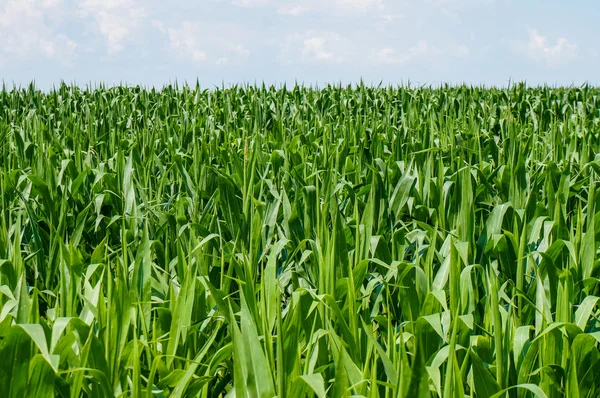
{"points": [[292, 10], [328, 7], [25, 30], [451, 15], [388, 55], [385, 54], [59, 46], [117, 20], [459, 3], [314, 46], [207, 43], [423, 50], [386, 22], [239, 50], [186, 42], [463, 51], [354, 49], [158, 25], [538, 49], [358, 5], [251, 3], [296, 7]]}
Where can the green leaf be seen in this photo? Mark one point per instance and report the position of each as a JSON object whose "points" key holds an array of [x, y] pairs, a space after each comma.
{"points": [[485, 384]]}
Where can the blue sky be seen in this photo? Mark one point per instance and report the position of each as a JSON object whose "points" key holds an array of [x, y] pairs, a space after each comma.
{"points": [[153, 42]]}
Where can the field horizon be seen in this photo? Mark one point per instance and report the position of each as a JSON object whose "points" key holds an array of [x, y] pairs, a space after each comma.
{"points": [[197, 85]]}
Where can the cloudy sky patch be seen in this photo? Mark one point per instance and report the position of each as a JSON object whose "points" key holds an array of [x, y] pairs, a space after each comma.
{"points": [[310, 41]]}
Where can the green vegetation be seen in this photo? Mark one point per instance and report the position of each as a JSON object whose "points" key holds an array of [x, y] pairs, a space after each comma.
{"points": [[254, 242]]}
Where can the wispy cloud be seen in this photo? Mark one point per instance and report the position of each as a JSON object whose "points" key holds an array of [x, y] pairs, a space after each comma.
{"points": [[389, 55], [538, 48], [314, 47], [250, 3], [25, 30], [199, 42], [289, 7], [297, 10], [116, 20], [319, 47], [358, 5], [423, 52]]}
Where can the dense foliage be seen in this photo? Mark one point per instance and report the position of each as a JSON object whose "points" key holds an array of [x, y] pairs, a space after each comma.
{"points": [[259, 242]]}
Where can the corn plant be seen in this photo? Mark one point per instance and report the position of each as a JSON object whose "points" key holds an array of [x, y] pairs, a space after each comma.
{"points": [[299, 242]]}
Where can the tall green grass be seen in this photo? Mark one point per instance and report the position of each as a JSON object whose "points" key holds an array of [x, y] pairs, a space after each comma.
{"points": [[260, 242]]}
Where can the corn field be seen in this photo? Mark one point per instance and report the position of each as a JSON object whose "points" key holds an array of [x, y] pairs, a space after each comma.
{"points": [[300, 242]]}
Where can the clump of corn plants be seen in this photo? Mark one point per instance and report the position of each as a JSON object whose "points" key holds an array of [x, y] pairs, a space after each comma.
{"points": [[299, 242]]}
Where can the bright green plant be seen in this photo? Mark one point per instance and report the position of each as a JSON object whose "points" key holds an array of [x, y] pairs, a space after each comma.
{"points": [[260, 242]]}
